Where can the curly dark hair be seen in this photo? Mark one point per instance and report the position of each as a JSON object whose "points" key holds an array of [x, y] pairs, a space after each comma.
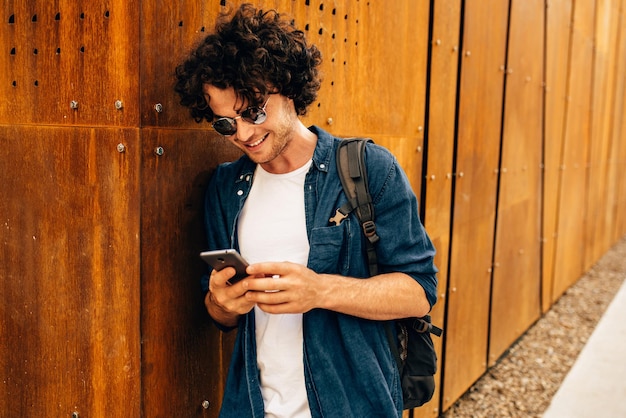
{"points": [[256, 53]]}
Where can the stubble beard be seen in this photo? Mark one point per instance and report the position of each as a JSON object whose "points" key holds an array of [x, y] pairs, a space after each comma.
{"points": [[280, 138]]}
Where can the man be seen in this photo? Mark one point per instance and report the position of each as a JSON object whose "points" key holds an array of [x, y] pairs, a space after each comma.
{"points": [[311, 338]]}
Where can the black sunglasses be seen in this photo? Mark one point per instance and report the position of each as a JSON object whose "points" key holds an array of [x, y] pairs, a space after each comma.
{"points": [[253, 114]]}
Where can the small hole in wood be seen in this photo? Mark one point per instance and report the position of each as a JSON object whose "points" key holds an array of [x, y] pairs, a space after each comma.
{"points": [[36, 83], [180, 24], [13, 51], [11, 19], [82, 49], [35, 51], [57, 16], [58, 51], [82, 16], [34, 18], [14, 83], [107, 14]]}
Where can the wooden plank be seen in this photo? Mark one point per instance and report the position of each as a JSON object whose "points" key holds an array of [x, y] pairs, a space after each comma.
{"points": [[173, 200], [597, 242], [184, 357], [443, 70], [70, 302], [618, 131], [558, 34], [573, 192], [515, 296], [64, 52], [480, 110], [404, 45]]}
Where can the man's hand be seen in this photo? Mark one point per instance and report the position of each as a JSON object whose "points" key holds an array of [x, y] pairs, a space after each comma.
{"points": [[225, 303], [284, 287]]}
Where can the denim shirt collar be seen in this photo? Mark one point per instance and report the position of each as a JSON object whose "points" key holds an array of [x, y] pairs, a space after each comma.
{"points": [[322, 157]]}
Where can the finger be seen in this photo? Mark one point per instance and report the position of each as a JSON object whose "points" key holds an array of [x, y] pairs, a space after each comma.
{"points": [[269, 297], [223, 291], [282, 308], [262, 284], [272, 268], [223, 277]]}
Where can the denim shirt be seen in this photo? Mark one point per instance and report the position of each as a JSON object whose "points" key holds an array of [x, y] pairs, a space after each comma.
{"points": [[349, 369]]}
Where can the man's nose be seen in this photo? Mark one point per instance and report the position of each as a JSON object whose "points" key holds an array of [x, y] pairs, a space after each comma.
{"points": [[245, 130]]}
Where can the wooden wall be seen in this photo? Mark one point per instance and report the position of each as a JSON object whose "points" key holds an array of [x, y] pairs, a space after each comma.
{"points": [[508, 117]]}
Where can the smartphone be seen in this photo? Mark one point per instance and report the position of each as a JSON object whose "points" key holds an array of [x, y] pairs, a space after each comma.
{"points": [[219, 259]]}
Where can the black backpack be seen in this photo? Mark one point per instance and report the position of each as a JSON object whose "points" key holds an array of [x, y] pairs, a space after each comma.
{"points": [[411, 344]]}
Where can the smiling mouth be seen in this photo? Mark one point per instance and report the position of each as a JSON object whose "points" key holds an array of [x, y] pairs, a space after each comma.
{"points": [[256, 143]]}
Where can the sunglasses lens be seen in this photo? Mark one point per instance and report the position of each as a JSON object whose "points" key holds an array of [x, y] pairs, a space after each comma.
{"points": [[254, 115], [225, 126], [228, 126]]}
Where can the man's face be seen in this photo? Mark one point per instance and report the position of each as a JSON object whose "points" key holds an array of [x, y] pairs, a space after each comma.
{"points": [[263, 142]]}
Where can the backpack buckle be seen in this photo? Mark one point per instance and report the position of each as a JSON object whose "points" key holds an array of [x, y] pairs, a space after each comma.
{"points": [[369, 229]]}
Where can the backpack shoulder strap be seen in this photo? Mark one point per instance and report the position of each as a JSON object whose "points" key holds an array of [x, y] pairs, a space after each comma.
{"points": [[353, 175]]}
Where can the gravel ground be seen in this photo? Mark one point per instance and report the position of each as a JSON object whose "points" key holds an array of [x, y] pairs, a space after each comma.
{"points": [[526, 378]]}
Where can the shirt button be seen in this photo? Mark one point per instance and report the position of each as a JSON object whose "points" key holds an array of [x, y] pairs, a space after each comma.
{"points": [[322, 166], [239, 192]]}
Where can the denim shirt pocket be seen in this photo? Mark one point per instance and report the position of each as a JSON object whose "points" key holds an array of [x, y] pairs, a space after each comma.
{"points": [[329, 249]]}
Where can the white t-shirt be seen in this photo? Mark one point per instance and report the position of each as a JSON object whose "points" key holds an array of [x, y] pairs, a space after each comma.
{"points": [[272, 227]]}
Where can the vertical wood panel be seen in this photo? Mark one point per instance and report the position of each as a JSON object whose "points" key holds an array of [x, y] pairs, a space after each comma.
{"points": [[618, 131], [475, 195], [558, 34], [601, 182], [70, 301], [573, 192], [183, 356], [440, 144], [515, 302]]}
